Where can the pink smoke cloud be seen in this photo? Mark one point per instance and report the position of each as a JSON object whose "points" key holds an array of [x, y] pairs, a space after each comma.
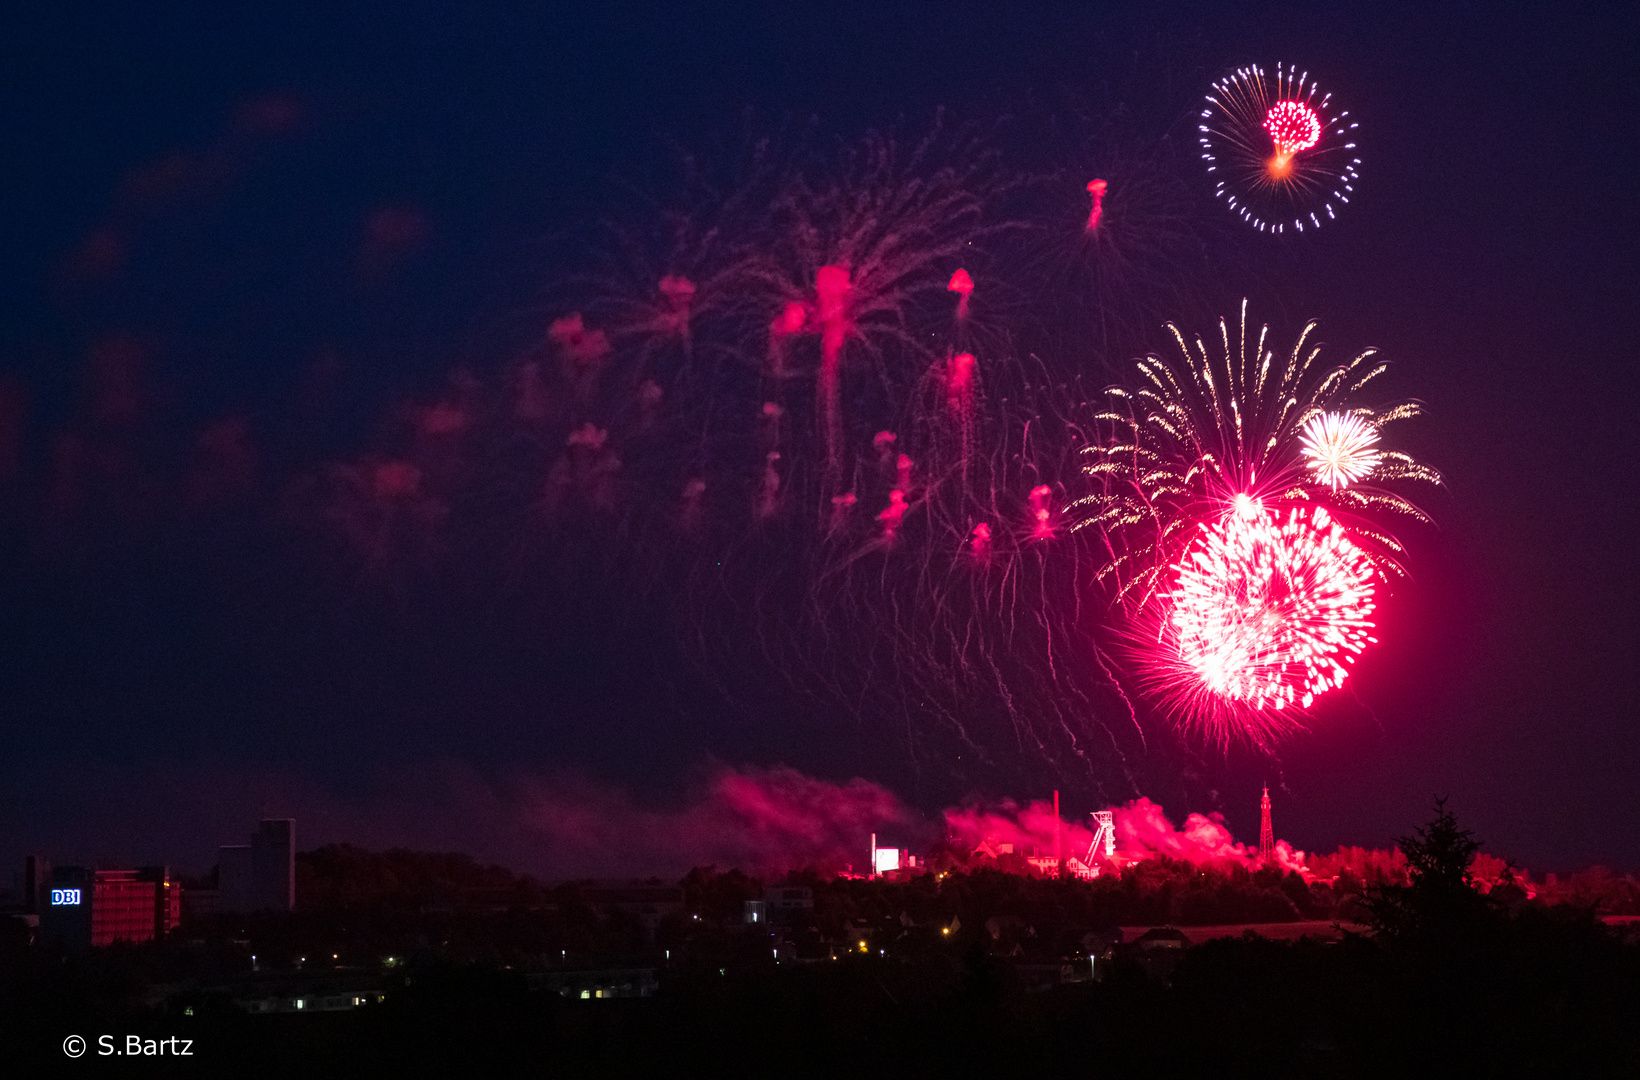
{"points": [[761, 821], [1142, 831], [1026, 829]]}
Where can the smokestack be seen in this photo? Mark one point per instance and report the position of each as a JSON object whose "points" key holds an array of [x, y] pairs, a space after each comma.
{"points": [[1058, 862], [871, 863]]}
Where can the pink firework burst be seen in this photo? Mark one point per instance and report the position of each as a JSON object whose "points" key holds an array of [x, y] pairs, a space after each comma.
{"points": [[1265, 614], [1294, 126]]}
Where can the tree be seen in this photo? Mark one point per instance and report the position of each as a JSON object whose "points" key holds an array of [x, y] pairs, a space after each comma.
{"points": [[1440, 902]]}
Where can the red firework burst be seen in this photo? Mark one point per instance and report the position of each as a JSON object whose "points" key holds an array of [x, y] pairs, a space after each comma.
{"points": [[1293, 126], [1264, 615]]}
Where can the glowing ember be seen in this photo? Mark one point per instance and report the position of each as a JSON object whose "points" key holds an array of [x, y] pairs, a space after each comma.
{"points": [[1294, 126], [1340, 448], [1041, 513], [980, 540], [963, 286], [1266, 614], [1097, 189]]}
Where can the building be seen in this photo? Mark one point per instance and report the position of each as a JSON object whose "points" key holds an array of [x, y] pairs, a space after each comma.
{"points": [[261, 875], [885, 860], [331, 992], [1046, 865], [990, 848], [82, 907], [134, 905]]}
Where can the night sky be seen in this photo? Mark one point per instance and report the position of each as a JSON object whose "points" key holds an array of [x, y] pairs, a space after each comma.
{"points": [[282, 224]]}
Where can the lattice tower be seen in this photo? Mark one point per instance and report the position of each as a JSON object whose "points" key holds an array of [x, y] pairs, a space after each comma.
{"points": [[1104, 836], [1266, 835]]}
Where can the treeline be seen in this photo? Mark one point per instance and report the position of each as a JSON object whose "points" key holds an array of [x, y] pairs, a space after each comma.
{"points": [[342, 877]]}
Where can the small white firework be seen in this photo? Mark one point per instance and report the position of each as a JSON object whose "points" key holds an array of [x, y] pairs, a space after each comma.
{"points": [[1340, 448]]}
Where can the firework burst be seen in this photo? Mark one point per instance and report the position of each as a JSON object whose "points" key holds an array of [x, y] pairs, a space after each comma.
{"points": [[1202, 429], [1264, 614], [1340, 448], [1278, 153], [1204, 456], [863, 259]]}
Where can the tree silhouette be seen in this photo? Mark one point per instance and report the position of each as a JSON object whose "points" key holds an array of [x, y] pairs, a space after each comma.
{"points": [[1440, 902]]}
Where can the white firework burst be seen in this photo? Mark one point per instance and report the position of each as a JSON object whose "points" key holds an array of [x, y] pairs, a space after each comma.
{"points": [[1340, 448]]}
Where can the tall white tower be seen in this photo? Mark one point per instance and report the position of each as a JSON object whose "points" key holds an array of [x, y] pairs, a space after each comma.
{"points": [[1104, 836]]}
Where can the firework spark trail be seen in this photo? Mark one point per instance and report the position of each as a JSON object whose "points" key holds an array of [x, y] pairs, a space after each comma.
{"points": [[937, 575], [859, 258], [1200, 430], [974, 603], [1096, 189], [919, 542], [1104, 261]]}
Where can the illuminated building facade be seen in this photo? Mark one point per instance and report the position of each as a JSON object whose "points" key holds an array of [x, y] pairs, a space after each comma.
{"points": [[81, 907]]}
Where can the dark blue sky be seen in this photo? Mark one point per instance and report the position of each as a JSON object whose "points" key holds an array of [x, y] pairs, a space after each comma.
{"points": [[339, 204]]}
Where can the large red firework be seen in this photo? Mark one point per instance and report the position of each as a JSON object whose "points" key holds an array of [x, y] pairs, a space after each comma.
{"points": [[1265, 613]]}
